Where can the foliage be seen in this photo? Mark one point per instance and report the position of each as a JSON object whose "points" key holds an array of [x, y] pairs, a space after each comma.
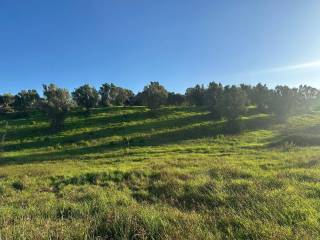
{"points": [[248, 89], [260, 97], [113, 95], [56, 104], [196, 95], [233, 103], [86, 97], [26, 100], [154, 95], [6, 103], [213, 97], [308, 96], [175, 99], [284, 101]]}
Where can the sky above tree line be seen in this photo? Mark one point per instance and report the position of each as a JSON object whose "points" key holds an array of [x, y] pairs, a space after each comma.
{"points": [[179, 43]]}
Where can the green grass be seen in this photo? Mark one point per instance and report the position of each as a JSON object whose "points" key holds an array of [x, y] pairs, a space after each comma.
{"points": [[123, 173]]}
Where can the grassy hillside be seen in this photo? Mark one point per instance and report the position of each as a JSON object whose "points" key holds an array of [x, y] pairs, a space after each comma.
{"points": [[123, 173]]}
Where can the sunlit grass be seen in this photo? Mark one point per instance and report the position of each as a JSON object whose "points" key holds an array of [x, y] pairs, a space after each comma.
{"points": [[123, 173]]}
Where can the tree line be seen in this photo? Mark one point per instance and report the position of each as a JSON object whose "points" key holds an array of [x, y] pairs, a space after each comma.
{"points": [[228, 102]]}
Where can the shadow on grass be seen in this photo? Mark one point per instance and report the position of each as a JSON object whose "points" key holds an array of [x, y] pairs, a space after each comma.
{"points": [[22, 129], [297, 137], [174, 135], [122, 131]]}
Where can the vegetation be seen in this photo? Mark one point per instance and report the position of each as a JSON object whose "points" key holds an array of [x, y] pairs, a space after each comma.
{"points": [[57, 104], [6, 102], [26, 101], [113, 95], [175, 99], [86, 97], [232, 105], [196, 95], [154, 95], [121, 173], [222, 101]]}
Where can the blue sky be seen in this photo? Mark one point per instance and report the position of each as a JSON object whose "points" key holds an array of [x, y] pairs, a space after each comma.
{"points": [[176, 42]]}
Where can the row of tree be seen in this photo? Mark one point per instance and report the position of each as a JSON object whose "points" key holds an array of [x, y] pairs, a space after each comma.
{"points": [[223, 101]]}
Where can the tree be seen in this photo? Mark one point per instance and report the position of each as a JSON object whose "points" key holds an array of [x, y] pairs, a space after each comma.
{"points": [[6, 103], [213, 95], [56, 104], [249, 91], [108, 93], [154, 95], [113, 95], [283, 101], [122, 96], [260, 97], [26, 100], [196, 95], [135, 100], [176, 99], [231, 106], [308, 95], [86, 97], [308, 92]]}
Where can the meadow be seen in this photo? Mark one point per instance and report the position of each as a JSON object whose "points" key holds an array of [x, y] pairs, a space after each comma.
{"points": [[127, 173]]}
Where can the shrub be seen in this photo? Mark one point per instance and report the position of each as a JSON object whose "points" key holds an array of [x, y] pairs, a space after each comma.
{"points": [[18, 185]]}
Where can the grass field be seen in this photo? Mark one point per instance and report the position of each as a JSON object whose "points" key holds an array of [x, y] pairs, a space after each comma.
{"points": [[124, 173]]}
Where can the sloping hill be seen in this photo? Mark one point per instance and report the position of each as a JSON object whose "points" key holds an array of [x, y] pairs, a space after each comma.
{"points": [[124, 173]]}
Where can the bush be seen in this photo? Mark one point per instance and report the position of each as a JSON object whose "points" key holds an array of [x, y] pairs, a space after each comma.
{"points": [[18, 185]]}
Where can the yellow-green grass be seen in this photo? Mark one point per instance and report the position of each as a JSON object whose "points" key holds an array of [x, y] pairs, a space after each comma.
{"points": [[127, 173]]}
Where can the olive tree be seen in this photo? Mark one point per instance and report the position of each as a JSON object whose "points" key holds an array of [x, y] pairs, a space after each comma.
{"points": [[114, 95], [261, 97], [86, 97], [283, 102], [175, 99], [196, 95], [6, 103], [26, 100], [57, 103], [232, 105], [154, 95], [213, 95]]}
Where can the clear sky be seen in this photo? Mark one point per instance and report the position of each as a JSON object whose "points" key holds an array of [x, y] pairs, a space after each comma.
{"points": [[176, 42]]}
